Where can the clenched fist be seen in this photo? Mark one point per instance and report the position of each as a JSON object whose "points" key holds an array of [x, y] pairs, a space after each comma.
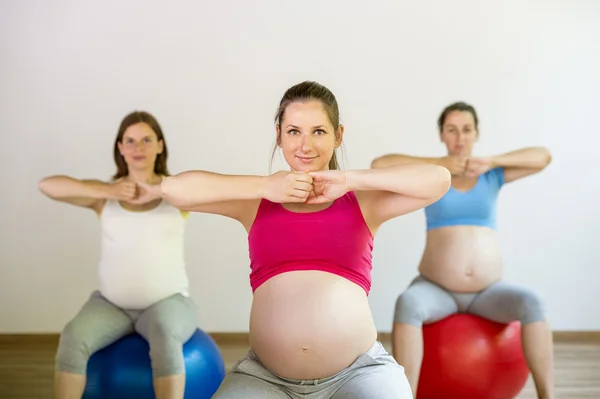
{"points": [[288, 187], [122, 190]]}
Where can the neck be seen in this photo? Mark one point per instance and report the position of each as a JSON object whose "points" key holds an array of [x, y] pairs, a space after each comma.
{"points": [[144, 176]]}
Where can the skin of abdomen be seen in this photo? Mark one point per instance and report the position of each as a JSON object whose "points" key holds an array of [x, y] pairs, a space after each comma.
{"points": [[462, 258], [310, 324]]}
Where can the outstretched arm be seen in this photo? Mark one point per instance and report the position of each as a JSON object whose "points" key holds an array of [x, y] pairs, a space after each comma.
{"points": [[234, 196], [457, 166], [389, 192], [387, 160], [521, 163], [85, 193]]}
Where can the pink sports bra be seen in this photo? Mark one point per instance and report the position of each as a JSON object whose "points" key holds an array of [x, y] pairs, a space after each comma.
{"points": [[335, 240]]}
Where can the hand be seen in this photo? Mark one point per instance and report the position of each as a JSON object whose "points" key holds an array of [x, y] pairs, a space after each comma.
{"points": [[478, 166], [122, 190], [288, 187], [457, 166], [328, 185], [146, 193]]}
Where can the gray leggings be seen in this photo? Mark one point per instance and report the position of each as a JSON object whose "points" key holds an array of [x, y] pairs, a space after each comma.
{"points": [[166, 325], [426, 302], [375, 374]]}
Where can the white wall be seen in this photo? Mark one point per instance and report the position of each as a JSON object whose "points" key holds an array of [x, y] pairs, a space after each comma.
{"points": [[213, 73]]}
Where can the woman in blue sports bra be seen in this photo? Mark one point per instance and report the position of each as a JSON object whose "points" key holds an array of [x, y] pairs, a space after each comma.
{"points": [[461, 267]]}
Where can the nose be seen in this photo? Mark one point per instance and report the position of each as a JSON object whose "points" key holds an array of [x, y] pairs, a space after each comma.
{"points": [[306, 144], [138, 146]]}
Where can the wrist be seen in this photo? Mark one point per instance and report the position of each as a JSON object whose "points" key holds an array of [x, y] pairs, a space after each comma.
{"points": [[261, 187], [495, 161], [156, 191], [351, 179], [106, 191]]}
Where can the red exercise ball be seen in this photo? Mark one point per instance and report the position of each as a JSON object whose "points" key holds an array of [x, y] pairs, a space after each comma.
{"points": [[469, 357]]}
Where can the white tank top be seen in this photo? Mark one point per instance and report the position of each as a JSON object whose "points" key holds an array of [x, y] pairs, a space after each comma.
{"points": [[142, 255]]}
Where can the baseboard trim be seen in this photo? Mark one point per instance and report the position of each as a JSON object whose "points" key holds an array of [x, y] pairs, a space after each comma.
{"points": [[573, 337], [242, 338]]}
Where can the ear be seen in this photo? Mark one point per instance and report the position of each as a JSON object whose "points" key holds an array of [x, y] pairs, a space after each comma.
{"points": [[339, 136], [120, 147], [161, 146], [278, 135]]}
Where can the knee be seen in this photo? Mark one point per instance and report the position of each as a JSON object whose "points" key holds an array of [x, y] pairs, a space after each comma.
{"points": [[166, 351], [408, 310], [531, 308], [73, 349]]}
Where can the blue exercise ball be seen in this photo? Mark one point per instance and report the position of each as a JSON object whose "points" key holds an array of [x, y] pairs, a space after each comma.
{"points": [[122, 370]]}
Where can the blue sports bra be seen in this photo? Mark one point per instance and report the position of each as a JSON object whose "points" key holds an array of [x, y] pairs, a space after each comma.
{"points": [[476, 207]]}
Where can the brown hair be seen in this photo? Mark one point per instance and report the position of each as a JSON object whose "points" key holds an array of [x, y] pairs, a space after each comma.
{"points": [[307, 91], [160, 165], [458, 106]]}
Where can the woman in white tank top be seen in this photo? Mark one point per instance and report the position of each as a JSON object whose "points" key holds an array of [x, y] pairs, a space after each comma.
{"points": [[142, 271]]}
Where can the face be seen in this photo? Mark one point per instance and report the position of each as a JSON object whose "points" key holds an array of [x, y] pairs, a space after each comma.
{"points": [[307, 137], [459, 133], [140, 147]]}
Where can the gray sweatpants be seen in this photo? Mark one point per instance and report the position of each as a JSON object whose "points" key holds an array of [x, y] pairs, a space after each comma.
{"points": [[425, 302], [166, 325], [375, 374]]}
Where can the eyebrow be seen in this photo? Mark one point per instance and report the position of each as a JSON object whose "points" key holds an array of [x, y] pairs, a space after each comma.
{"points": [[314, 127], [145, 137], [452, 125]]}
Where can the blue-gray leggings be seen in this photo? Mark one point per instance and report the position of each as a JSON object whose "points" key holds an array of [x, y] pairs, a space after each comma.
{"points": [[166, 325], [373, 375], [426, 302]]}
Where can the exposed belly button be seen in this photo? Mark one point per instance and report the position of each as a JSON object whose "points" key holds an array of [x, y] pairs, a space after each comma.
{"points": [[469, 273]]}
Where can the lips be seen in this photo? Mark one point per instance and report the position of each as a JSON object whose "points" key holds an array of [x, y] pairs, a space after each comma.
{"points": [[306, 159]]}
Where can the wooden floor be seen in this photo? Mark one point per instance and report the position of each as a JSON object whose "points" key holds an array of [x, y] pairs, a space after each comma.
{"points": [[26, 369]]}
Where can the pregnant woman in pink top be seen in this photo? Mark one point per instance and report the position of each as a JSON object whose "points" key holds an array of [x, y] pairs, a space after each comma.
{"points": [[310, 233]]}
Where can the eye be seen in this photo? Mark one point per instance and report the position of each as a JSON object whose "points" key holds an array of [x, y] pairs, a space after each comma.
{"points": [[320, 132], [293, 131]]}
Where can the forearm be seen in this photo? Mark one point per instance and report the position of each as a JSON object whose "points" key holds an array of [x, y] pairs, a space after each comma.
{"points": [[388, 160], [60, 187], [197, 187], [414, 180], [534, 157]]}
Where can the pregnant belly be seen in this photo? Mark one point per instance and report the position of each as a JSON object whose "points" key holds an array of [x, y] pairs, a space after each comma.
{"points": [[310, 324], [132, 288], [462, 258]]}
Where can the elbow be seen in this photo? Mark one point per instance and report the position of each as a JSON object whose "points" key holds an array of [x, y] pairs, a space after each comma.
{"points": [[45, 186], [443, 182], [547, 156], [383, 161], [439, 183], [543, 157], [376, 163], [42, 185]]}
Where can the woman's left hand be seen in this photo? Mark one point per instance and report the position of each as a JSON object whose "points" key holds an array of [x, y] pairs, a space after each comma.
{"points": [[328, 185], [478, 166]]}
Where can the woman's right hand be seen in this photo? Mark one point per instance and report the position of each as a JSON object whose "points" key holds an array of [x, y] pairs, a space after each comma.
{"points": [[122, 190], [286, 186]]}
